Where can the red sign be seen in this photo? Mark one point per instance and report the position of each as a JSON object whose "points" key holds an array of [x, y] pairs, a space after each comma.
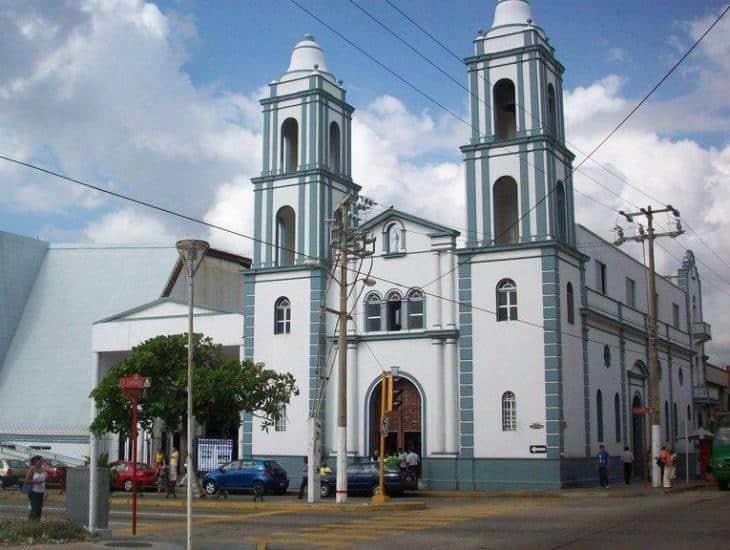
{"points": [[133, 386]]}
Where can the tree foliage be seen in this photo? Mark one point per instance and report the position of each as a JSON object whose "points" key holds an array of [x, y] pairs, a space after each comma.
{"points": [[223, 387]]}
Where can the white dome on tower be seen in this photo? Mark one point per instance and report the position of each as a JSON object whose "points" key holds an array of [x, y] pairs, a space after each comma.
{"points": [[512, 12], [306, 57]]}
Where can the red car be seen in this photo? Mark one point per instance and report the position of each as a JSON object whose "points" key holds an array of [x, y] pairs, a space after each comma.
{"points": [[55, 472], [121, 475]]}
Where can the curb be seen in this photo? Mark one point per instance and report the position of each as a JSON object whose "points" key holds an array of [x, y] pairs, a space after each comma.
{"points": [[281, 506]]}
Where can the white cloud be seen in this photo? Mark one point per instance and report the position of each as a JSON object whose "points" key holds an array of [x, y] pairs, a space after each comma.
{"points": [[128, 227]]}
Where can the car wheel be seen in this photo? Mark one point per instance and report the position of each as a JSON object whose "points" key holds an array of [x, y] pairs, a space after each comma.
{"points": [[128, 485], [210, 487], [258, 488], [324, 490]]}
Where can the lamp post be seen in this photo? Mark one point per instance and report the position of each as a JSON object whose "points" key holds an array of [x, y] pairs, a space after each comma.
{"points": [[191, 252], [133, 387], [387, 382]]}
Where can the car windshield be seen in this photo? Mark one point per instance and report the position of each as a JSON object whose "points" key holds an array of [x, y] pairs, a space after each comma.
{"points": [[273, 465]]}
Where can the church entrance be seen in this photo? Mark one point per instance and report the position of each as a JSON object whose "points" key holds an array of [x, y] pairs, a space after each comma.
{"points": [[404, 426], [637, 438]]}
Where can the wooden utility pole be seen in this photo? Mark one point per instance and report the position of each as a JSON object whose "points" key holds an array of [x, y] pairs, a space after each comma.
{"points": [[654, 399]]}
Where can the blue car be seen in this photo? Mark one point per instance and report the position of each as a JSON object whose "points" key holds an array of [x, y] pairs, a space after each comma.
{"points": [[259, 475]]}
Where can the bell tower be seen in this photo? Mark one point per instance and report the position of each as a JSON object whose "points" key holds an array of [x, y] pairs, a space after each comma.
{"points": [[306, 161], [518, 171]]}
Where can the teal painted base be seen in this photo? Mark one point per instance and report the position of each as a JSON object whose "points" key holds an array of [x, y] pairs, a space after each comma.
{"points": [[480, 474]]}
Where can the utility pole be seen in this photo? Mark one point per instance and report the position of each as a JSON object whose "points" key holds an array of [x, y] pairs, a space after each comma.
{"points": [[650, 236], [347, 240]]}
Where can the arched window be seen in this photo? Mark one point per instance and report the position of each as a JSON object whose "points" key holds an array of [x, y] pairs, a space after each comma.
{"points": [[282, 316], [571, 303], [394, 238], [666, 421], [289, 145], [505, 122], [509, 412], [372, 312], [506, 300], [617, 417], [675, 420], [606, 356], [395, 306], [599, 415], [415, 309], [333, 162], [285, 241], [680, 376], [552, 118], [560, 214], [506, 229]]}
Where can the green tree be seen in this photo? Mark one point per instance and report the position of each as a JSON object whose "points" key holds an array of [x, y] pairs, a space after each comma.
{"points": [[223, 387]]}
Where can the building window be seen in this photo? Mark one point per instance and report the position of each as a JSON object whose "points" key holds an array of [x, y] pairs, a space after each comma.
{"points": [[372, 312], [606, 356], [617, 417], [675, 316], [333, 160], [601, 277], [667, 436], [509, 412], [395, 306], [571, 303], [561, 213], [289, 145], [505, 121], [415, 309], [280, 424], [680, 376], [599, 415], [552, 118], [506, 227], [282, 316], [630, 292], [506, 300], [285, 236]]}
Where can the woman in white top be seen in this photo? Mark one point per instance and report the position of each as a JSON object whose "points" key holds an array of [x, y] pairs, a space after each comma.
{"points": [[36, 479]]}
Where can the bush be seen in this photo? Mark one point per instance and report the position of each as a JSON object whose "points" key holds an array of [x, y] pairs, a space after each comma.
{"points": [[22, 531]]}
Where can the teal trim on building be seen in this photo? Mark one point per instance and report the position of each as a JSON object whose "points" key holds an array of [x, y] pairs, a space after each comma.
{"points": [[487, 101], [520, 95], [540, 191], [249, 311], [524, 190], [586, 370], [486, 203], [474, 106], [551, 293], [257, 217], [313, 217], [275, 141], [532, 71], [625, 398], [266, 140], [466, 363], [270, 214], [471, 206]]}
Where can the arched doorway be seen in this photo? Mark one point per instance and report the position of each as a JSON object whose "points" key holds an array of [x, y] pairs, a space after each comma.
{"points": [[637, 436], [404, 426]]}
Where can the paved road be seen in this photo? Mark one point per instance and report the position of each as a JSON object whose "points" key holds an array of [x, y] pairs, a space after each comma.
{"points": [[696, 519]]}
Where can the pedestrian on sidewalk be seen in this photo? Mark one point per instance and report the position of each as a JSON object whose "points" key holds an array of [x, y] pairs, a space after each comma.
{"points": [[628, 459], [667, 458], [413, 461], [172, 470], [35, 481], [602, 458], [303, 484]]}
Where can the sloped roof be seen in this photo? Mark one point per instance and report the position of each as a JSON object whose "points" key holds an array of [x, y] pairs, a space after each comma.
{"points": [[391, 212]]}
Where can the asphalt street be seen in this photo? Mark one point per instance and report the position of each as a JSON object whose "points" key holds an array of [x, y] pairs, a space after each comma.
{"points": [[694, 519]]}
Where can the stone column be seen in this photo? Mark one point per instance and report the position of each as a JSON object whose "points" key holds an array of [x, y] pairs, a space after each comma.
{"points": [[449, 289], [450, 396], [436, 424], [352, 399], [437, 303]]}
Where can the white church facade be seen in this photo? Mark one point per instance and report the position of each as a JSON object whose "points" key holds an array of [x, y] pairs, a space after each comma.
{"points": [[521, 339]]}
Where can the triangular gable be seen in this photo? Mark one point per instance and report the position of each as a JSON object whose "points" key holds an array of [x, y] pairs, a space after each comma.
{"points": [[163, 307], [383, 217]]}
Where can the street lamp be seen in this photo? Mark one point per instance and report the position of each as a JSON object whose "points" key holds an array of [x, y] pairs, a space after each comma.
{"points": [[387, 383], [133, 388], [192, 253]]}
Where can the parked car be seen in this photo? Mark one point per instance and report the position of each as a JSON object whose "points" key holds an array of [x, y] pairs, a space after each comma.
{"points": [[259, 475], [365, 477], [12, 471], [55, 472], [121, 475]]}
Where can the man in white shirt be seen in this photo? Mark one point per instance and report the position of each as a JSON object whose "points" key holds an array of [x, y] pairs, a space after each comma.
{"points": [[412, 461], [628, 459]]}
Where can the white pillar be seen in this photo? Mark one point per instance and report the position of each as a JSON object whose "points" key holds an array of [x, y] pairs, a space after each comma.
{"points": [[438, 303], [93, 459], [437, 412], [352, 398], [450, 396], [449, 289]]}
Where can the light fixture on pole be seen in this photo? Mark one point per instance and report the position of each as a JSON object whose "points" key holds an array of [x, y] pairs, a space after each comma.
{"points": [[192, 253]]}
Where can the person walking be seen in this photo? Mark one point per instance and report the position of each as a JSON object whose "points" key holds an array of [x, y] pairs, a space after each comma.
{"points": [[35, 480], [172, 470], [602, 458], [668, 459], [662, 463], [628, 459], [303, 484], [412, 461]]}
